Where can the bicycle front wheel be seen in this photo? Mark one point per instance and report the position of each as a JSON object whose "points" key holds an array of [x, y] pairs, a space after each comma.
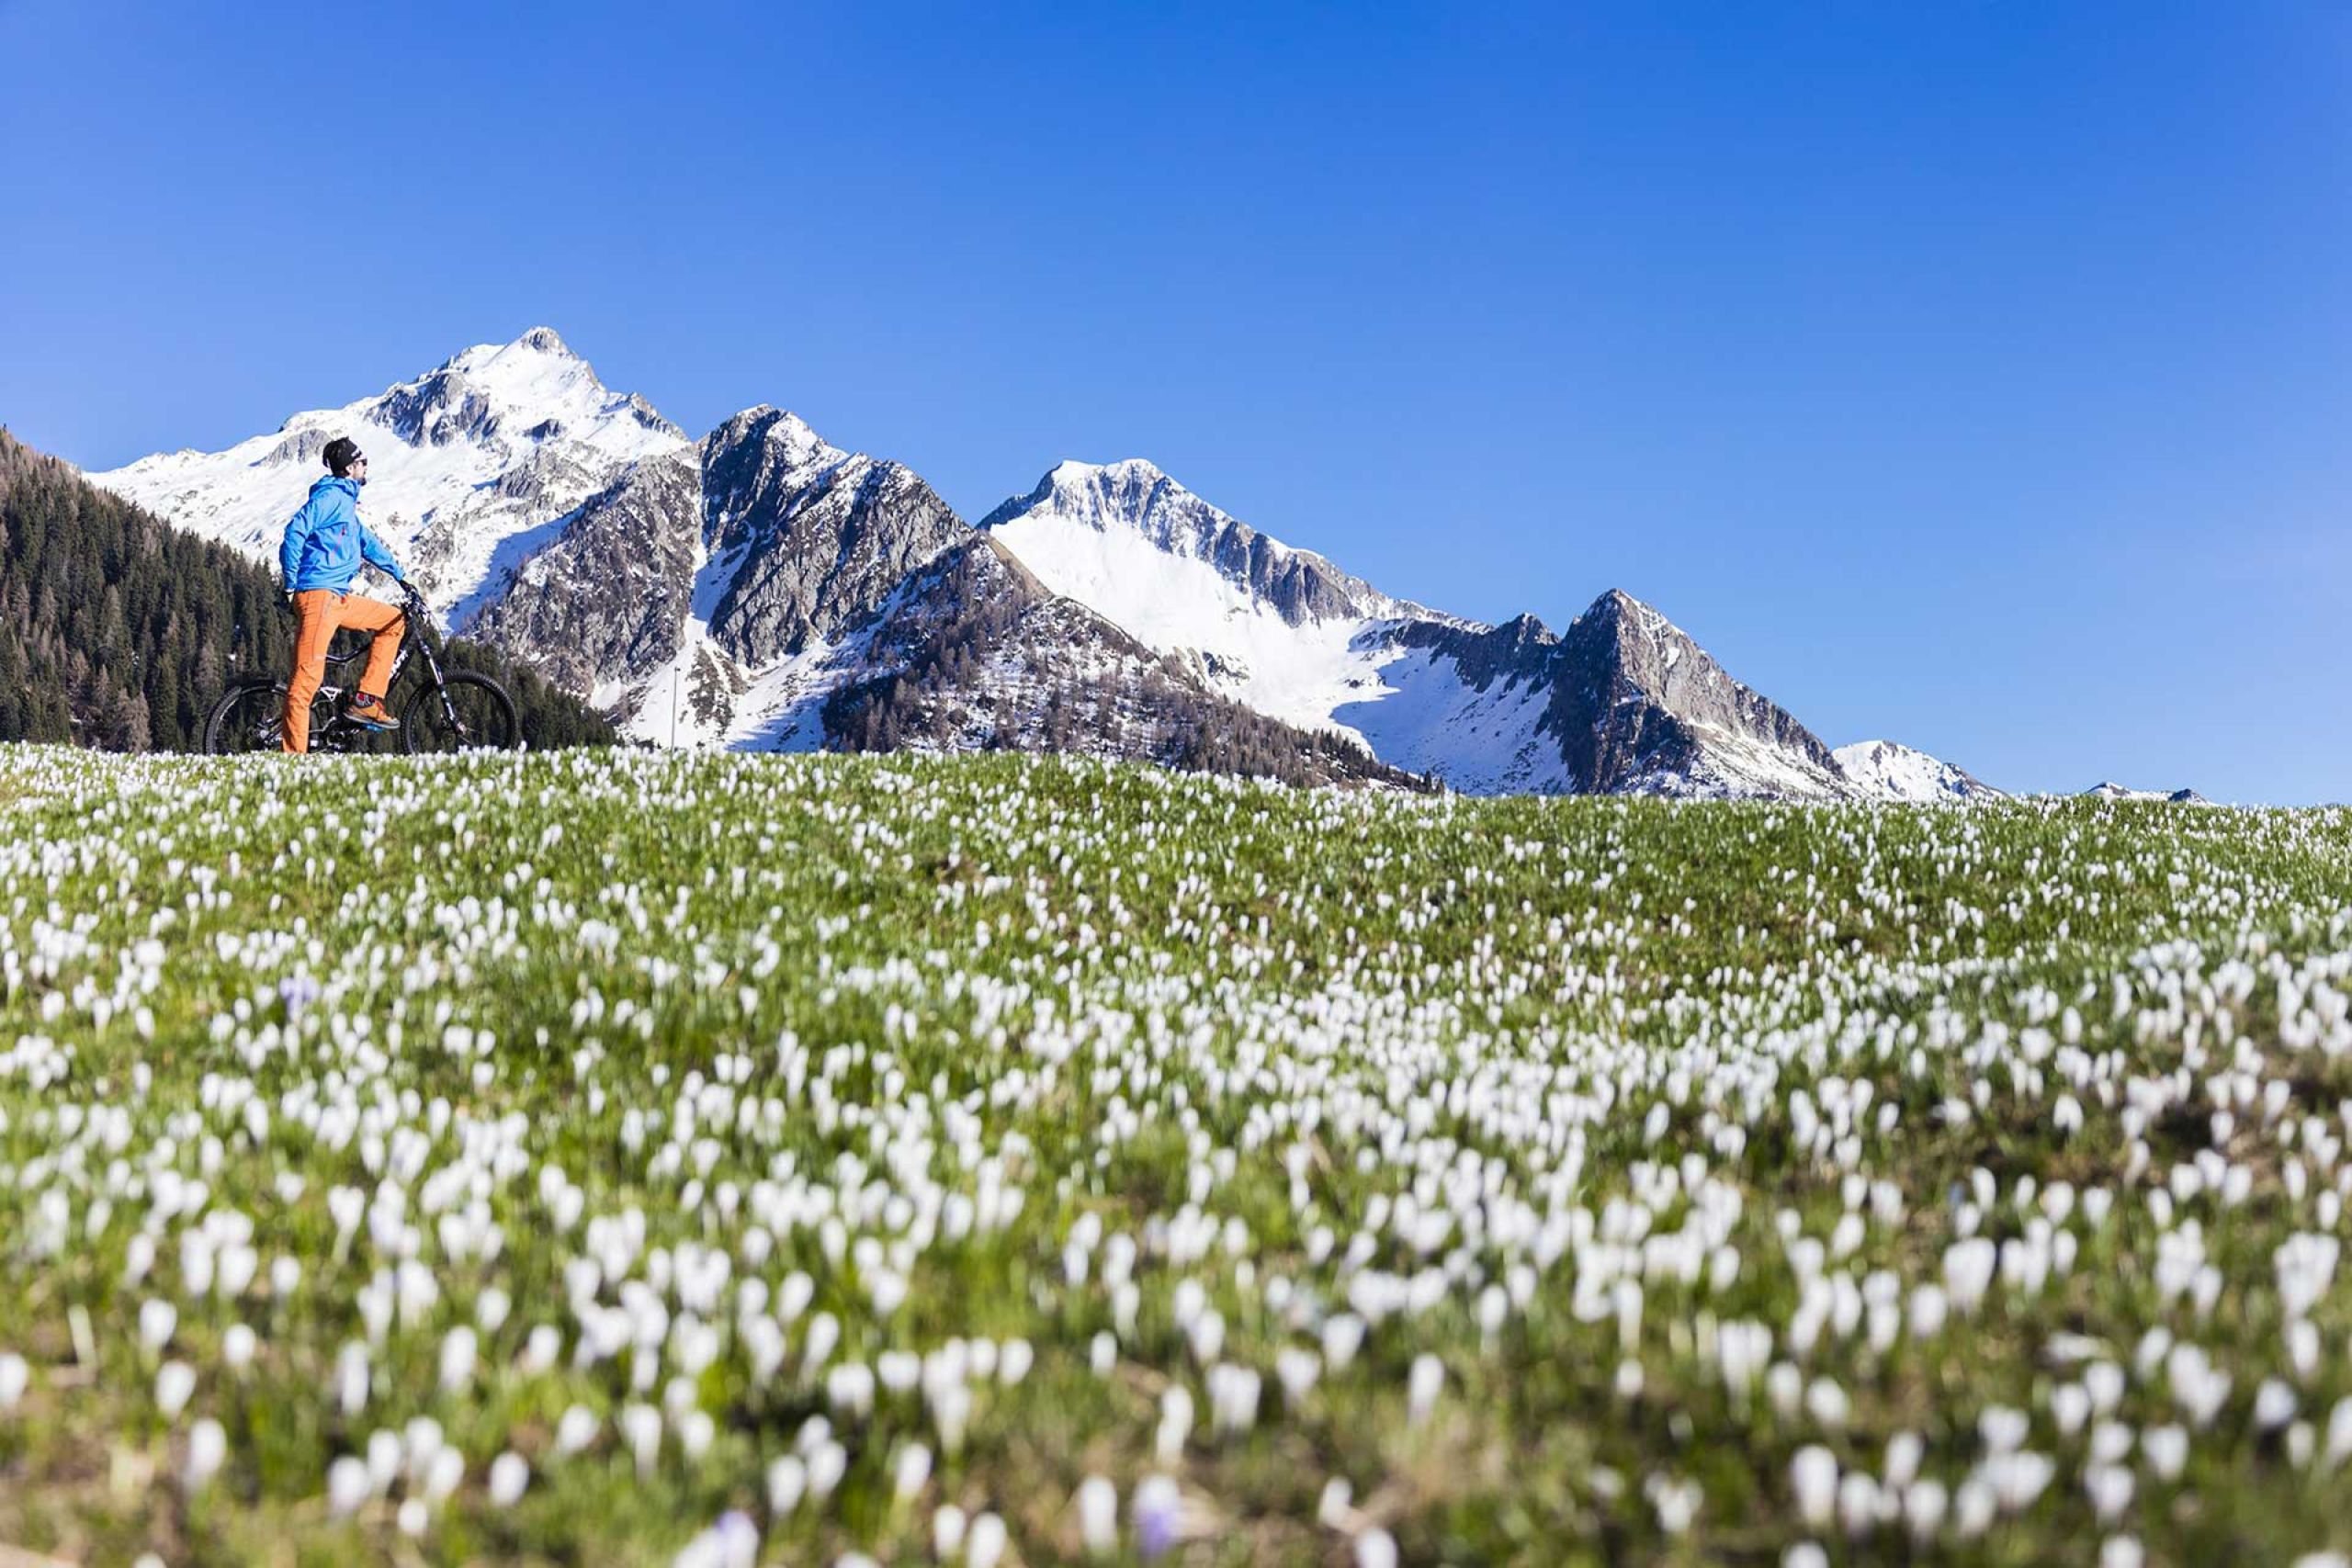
{"points": [[470, 712], [251, 717]]}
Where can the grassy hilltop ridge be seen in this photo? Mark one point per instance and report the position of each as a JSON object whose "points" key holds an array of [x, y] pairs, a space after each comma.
{"points": [[601, 1155]]}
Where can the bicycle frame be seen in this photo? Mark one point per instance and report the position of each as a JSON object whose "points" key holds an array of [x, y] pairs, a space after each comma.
{"points": [[414, 616]]}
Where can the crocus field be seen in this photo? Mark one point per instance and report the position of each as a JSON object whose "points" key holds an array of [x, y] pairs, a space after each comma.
{"points": [[621, 1157]]}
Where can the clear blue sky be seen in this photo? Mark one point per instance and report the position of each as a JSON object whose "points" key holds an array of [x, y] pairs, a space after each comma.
{"points": [[1976, 374]]}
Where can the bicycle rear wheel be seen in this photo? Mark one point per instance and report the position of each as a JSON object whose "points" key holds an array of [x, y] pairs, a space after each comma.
{"points": [[251, 717], [477, 716]]}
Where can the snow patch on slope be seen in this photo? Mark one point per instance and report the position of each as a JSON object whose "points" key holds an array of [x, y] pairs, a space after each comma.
{"points": [[1425, 718], [1182, 606]]}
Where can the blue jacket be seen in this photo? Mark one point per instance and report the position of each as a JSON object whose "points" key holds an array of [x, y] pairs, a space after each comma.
{"points": [[325, 541]]}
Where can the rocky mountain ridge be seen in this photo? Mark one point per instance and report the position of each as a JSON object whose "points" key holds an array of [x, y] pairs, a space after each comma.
{"points": [[763, 588], [1621, 702]]}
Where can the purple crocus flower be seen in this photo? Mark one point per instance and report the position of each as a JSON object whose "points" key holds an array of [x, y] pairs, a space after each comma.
{"points": [[296, 991]]}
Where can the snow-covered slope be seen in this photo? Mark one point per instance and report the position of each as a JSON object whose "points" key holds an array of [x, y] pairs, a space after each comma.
{"points": [[1420, 714], [1282, 630], [473, 465], [1893, 772]]}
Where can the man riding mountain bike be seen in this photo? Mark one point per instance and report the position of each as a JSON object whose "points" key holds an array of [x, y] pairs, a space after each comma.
{"points": [[325, 543], [444, 710]]}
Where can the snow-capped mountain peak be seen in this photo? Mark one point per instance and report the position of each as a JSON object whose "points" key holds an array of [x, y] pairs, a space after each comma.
{"points": [[534, 388], [1093, 530], [524, 354], [790, 436], [1623, 700], [1274, 627], [1891, 770], [545, 340], [1070, 476], [1132, 494], [1137, 495], [471, 462]]}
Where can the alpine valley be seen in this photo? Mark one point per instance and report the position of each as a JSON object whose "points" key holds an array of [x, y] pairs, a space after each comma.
{"points": [[763, 589]]}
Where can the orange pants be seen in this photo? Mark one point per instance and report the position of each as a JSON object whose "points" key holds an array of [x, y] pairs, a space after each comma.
{"points": [[319, 613]]}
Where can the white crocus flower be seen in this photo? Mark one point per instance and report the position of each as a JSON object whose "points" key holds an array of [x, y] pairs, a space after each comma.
{"points": [[174, 1382], [1425, 1382], [984, 1543], [509, 1476], [207, 1449], [1813, 1476]]}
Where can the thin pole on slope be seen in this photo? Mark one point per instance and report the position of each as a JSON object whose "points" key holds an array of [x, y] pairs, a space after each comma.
{"points": [[673, 707]]}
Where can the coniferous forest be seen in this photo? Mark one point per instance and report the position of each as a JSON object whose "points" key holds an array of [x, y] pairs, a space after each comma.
{"points": [[117, 631]]}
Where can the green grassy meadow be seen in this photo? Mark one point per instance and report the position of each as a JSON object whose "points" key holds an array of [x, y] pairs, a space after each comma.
{"points": [[623, 1158]]}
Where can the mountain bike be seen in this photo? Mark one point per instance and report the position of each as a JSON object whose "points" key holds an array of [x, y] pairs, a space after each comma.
{"points": [[448, 710]]}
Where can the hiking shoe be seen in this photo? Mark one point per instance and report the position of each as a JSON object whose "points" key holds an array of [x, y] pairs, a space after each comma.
{"points": [[369, 713]]}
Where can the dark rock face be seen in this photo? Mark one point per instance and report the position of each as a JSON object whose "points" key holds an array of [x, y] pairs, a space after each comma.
{"points": [[304, 446], [1301, 586], [529, 481], [606, 600], [1636, 705], [437, 409], [802, 541], [1522, 649], [712, 689], [823, 536], [752, 468], [1635, 696]]}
